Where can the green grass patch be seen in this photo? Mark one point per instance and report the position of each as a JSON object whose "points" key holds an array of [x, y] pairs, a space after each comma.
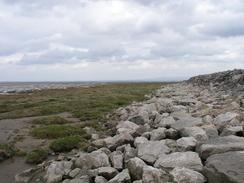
{"points": [[68, 143], [85, 103], [50, 120], [36, 156], [7, 151], [57, 131]]}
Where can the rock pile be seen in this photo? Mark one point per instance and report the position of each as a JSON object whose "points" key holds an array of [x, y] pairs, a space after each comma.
{"points": [[182, 134]]}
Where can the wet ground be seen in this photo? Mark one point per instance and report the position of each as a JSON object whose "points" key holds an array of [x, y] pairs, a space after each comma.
{"points": [[9, 168]]}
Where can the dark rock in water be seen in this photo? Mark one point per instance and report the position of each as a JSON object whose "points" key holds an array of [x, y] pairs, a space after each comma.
{"points": [[225, 168]]}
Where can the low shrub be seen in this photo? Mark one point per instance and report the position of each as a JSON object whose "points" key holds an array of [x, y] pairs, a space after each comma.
{"points": [[36, 156], [57, 131], [50, 120], [68, 143]]}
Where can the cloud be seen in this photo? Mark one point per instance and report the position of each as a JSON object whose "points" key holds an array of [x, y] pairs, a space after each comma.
{"points": [[104, 36]]}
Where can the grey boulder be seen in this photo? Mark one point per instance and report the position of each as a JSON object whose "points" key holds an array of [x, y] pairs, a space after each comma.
{"points": [[187, 159], [221, 145], [185, 175], [226, 167], [151, 150]]}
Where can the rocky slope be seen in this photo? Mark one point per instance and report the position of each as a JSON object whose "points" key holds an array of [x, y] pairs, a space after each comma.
{"points": [[189, 132]]}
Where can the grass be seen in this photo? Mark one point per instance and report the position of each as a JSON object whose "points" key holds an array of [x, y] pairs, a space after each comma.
{"points": [[66, 144], [50, 120], [36, 156], [91, 105], [85, 103], [57, 131]]}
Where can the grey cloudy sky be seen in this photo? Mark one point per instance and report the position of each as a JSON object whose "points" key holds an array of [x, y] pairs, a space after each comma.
{"points": [[119, 39]]}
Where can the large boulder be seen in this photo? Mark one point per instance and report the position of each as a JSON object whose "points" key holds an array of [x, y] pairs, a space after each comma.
{"points": [[185, 175], [226, 167], [153, 175], [129, 152], [56, 170], [221, 145], [151, 150], [140, 140], [113, 142], [186, 143], [135, 167], [127, 126], [92, 160], [198, 133], [187, 159], [107, 172], [122, 177], [100, 179], [158, 134], [167, 121], [223, 119], [117, 158], [186, 122], [232, 130]]}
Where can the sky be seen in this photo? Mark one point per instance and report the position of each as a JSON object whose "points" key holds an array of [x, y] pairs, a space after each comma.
{"points": [[83, 40]]}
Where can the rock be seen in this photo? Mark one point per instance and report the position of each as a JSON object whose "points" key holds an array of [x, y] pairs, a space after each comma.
{"points": [[151, 150], [122, 177], [56, 170], [186, 143], [141, 118], [186, 122], [198, 133], [82, 179], [140, 140], [28, 175], [225, 167], [188, 159], [100, 179], [185, 175], [74, 172], [117, 158], [164, 105], [166, 122], [135, 167], [232, 130], [171, 134], [118, 140], [92, 160], [207, 119], [223, 119], [153, 175], [158, 134], [127, 126], [137, 181], [221, 145], [129, 152], [107, 172], [210, 130], [180, 115]]}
